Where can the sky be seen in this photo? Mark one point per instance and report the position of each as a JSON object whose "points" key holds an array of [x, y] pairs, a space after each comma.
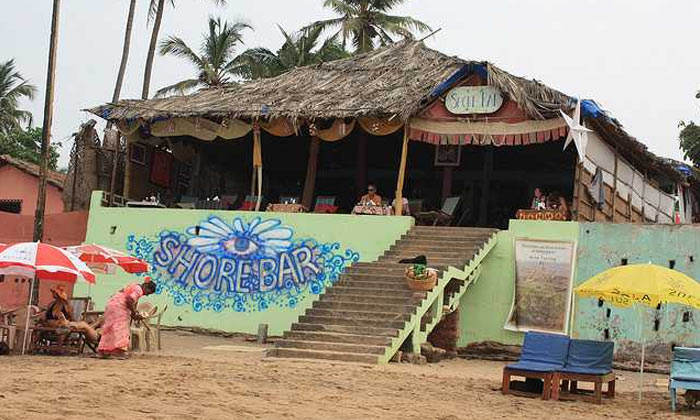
{"points": [[638, 59]]}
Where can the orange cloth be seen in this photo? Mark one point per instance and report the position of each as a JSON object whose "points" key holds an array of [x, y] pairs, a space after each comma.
{"points": [[374, 199]]}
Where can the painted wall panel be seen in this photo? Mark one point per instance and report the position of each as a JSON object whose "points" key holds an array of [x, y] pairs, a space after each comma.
{"points": [[231, 270], [486, 304]]}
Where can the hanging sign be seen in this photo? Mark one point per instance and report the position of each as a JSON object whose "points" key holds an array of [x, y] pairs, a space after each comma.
{"points": [[473, 100]]}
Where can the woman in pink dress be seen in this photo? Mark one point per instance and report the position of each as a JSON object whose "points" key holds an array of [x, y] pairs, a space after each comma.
{"points": [[120, 309]]}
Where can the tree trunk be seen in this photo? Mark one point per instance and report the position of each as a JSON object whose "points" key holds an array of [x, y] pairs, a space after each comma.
{"points": [[152, 50], [125, 52], [117, 92], [46, 138]]}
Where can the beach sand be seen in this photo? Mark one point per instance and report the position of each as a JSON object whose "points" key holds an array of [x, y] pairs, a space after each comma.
{"points": [[204, 377]]}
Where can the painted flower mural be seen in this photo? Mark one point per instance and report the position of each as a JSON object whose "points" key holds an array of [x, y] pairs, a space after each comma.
{"points": [[245, 266]]}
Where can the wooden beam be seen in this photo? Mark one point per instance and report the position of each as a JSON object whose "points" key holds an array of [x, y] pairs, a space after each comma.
{"points": [[577, 192], [402, 171], [311, 167], [486, 185], [361, 168], [447, 172], [614, 197]]}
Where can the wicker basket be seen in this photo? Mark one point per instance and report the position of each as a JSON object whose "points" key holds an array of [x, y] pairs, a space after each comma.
{"points": [[424, 284]]}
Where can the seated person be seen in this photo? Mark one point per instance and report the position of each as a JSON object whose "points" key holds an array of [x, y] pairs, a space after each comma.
{"points": [[557, 202], [371, 198], [538, 200], [405, 210], [59, 314]]}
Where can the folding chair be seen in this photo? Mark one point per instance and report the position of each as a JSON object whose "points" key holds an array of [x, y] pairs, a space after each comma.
{"points": [[444, 216]]}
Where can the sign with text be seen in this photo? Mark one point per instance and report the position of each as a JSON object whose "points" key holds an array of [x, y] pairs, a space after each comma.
{"points": [[543, 276], [473, 100]]}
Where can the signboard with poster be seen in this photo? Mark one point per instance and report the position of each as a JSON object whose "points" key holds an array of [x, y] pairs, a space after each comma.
{"points": [[543, 282]]}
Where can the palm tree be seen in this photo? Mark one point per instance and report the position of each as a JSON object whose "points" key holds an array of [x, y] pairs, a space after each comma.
{"points": [[367, 22], [155, 12], [125, 51], [216, 62], [13, 87], [299, 49]]}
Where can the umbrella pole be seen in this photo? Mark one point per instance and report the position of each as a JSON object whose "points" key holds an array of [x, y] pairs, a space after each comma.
{"points": [[29, 314], [641, 362]]}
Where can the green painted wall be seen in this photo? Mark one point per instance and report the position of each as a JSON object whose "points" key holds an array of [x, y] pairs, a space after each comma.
{"points": [[486, 304], [602, 246], [365, 236]]}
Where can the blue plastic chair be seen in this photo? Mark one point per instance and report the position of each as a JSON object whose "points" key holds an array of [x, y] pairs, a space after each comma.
{"points": [[542, 355], [587, 361], [685, 371]]}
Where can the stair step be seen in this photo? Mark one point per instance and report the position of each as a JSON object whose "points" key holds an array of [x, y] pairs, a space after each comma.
{"points": [[338, 337], [363, 322], [326, 355], [384, 268], [342, 289], [382, 278], [328, 346], [452, 229], [378, 300], [357, 306], [432, 259], [347, 329], [398, 284], [366, 315], [457, 238]]}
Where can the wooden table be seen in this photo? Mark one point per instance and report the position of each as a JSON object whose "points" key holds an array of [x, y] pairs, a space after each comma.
{"points": [[530, 214], [373, 210], [145, 204], [286, 208]]}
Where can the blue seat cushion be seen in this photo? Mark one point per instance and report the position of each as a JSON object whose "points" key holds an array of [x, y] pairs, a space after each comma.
{"points": [[531, 366], [589, 357], [545, 348], [686, 364], [586, 371], [681, 384]]}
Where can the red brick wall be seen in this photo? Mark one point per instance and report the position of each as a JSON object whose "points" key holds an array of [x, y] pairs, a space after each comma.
{"points": [[446, 333]]}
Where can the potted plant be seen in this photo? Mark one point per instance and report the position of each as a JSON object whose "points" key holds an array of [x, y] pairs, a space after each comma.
{"points": [[420, 278]]}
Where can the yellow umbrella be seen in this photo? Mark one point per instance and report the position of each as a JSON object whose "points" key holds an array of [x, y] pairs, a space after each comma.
{"points": [[646, 284]]}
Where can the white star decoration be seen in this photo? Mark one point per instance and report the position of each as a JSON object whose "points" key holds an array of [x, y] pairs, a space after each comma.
{"points": [[577, 132]]}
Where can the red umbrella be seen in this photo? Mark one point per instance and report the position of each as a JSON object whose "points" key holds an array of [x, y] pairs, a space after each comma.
{"points": [[44, 262], [101, 256]]}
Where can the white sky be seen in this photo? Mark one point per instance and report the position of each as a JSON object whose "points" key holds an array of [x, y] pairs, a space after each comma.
{"points": [[638, 58]]}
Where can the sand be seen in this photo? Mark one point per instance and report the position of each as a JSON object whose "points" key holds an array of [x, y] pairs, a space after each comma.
{"points": [[202, 377]]}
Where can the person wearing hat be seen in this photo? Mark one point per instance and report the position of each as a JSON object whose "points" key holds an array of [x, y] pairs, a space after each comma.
{"points": [[59, 314]]}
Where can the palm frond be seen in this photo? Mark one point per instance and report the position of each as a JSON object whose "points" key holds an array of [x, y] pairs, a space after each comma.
{"points": [[179, 88]]}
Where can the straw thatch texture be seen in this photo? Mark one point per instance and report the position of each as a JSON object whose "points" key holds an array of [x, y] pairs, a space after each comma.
{"points": [[391, 82]]}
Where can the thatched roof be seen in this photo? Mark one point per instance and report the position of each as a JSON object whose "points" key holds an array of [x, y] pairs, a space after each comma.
{"points": [[54, 178], [391, 82], [394, 82]]}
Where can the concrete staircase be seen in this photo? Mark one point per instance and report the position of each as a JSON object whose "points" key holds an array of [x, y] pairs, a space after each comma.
{"points": [[370, 312]]}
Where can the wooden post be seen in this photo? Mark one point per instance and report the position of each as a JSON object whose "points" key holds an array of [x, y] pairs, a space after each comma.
{"points": [[126, 191], [262, 334], [257, 163], [485, 185], [46, 138], [446, 181], [361, 169], [577, 191], [311, 166], [614, 197], [402, 170]]}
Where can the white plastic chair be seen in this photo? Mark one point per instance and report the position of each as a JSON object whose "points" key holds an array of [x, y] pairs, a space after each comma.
{"points": [[144, 330]]}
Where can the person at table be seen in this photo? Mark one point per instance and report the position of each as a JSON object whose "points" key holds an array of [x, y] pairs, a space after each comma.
{"points": [[120, 310], [371, 198], [60, 314], [405, 210], [556, 202], [538, 200]]}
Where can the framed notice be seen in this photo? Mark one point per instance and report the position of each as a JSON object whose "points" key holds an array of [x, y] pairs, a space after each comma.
{"points": [[543, 283], [137, 153], [447, 155]]}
